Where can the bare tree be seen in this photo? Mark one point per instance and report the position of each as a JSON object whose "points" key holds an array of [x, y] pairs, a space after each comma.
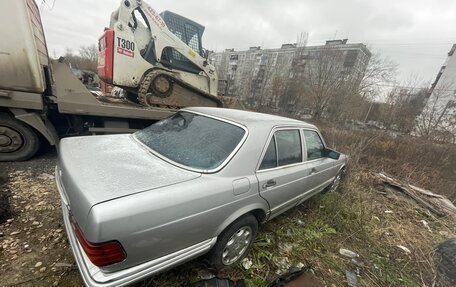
{"points": [[380, 73], [269, 89], [438, 119], [89, 53], [291, 82], [360, 94], [86, 59], [320, 81], [316, 79], [405, 104]]}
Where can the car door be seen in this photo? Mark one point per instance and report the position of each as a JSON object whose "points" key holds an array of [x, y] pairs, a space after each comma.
{"points": [[282, 171], [322, 168]]}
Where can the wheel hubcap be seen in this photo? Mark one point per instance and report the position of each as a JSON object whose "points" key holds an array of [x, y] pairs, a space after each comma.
{"points": [[237, 245], [10, 140]]}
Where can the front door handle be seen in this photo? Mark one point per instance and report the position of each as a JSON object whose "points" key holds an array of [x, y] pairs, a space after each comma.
{"points": [[269, 183], [313, 170]]}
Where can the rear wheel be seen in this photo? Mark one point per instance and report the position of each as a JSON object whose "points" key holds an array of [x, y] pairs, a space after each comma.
{"points": [[234, 242], [18, 141], [336, 182]]}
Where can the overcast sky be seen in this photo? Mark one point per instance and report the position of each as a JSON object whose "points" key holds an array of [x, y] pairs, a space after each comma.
{"points": [[416, 34]]}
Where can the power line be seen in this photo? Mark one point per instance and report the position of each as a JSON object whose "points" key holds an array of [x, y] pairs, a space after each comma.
{"points": [[415, 88], [410, 44]]}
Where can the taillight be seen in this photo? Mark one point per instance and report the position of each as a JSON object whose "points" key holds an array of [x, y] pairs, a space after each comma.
{"points": [[101, 254]]}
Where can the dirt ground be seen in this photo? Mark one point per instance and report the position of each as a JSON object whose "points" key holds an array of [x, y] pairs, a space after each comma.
{"points": [[34, 248]]}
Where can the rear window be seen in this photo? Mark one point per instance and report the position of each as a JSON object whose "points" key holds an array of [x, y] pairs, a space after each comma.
{"points": [[192, 140]]}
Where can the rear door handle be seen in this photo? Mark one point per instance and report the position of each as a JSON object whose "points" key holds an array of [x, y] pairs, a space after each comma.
{"points": [[269, 183], [313, 170]]}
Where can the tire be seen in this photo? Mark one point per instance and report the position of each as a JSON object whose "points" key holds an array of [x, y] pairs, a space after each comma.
{"points": [[244, 228], [18, 142], [447, 264]]}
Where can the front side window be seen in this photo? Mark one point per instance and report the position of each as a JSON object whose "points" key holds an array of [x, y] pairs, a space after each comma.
{"points": [[193, 140], [315, 147]]}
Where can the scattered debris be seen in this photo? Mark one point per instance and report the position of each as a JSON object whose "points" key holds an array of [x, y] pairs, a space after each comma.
{"points": [[283, 264], [215, 282], [437, 204], [61, 264], [359, 264], [45, 176], [352, 280], [35, 212], [297, 277], [246, 263], [348, 253], [405, 249], [286, 248], [204, 274], [388, 211], [426, 224]]}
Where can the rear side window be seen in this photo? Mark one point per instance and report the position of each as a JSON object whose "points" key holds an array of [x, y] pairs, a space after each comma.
{"points": [[270, 157], [284, 149], [289, 149], [314, 144]]}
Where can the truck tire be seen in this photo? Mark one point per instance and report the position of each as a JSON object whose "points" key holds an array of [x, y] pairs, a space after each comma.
{"points": [[18, 142]]}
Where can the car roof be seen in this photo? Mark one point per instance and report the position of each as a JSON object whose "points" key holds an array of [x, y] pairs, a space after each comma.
{"points": [[248, 118]]}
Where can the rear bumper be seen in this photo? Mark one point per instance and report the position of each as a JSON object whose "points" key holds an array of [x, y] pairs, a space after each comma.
{"points": [[94, 276]]}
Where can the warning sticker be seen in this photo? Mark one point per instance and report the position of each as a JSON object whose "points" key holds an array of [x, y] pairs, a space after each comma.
{"points": [[192, 53], [125, 52], [155, 17]]}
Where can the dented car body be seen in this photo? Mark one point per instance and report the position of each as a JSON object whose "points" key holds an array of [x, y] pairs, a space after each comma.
{"points": [[135, 205]]}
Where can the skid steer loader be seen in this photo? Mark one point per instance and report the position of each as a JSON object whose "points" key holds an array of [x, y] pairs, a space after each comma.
{"points": [[157, 58]]}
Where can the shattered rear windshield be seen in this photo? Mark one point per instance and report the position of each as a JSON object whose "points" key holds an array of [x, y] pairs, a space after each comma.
{"points": [[192, 140]]}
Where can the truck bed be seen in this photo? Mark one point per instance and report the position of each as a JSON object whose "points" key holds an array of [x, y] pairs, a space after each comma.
{"points": [[74, 98]]}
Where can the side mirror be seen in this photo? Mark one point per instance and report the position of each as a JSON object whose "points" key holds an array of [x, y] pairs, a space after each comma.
{"points": [[332, 154]]}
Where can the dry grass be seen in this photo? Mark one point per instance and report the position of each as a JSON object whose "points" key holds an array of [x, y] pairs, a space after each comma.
{"points": [[420, 162]]}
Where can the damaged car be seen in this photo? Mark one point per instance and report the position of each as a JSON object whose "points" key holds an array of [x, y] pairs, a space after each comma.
{"points": [[200, 181]]}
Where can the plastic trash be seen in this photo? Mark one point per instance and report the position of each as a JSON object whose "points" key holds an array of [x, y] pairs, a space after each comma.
{"points": [[352, 280], [247, 263], [348, 253]]}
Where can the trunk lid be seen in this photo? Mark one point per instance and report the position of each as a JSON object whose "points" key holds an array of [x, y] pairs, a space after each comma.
{"points": [[96, 169]]}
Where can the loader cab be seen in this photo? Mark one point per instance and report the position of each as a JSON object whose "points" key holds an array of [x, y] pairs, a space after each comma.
{"points": [[190, 33]]}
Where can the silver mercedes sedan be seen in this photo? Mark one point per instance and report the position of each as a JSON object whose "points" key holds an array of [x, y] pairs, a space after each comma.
{"points": [[200, 181]]}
